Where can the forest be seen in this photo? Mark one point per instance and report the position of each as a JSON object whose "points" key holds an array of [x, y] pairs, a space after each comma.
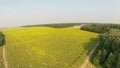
{"points": [[107, 54]]}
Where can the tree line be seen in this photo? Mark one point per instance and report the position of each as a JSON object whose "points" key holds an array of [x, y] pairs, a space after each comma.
{"points": [[100, 28], [57, 25]]}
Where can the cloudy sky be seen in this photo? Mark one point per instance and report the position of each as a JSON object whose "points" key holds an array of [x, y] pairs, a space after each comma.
{"points": [[28, 12]]}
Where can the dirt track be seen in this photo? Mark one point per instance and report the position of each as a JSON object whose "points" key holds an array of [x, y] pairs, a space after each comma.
{"points": [[4, 58], [87, 63]]}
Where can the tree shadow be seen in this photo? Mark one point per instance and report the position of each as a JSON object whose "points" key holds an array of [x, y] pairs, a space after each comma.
{"points": [[87, 48], [90, 45]]}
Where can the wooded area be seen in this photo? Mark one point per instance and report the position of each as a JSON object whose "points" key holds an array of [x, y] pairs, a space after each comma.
{"points": [[107, 54]]}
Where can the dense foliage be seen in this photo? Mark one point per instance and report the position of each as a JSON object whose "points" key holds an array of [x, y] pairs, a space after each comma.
{"points": [[58, 25], [107, 53], [100, 28]]}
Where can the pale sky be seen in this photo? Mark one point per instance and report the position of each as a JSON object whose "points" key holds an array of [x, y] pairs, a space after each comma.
{"points": [[28, 12]]}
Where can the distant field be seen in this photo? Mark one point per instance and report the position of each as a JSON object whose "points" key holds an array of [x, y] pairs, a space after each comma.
{"points": [[45, 47]]}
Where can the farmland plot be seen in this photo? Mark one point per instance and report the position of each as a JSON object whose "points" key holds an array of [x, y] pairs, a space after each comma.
{"points": [[43, 47]]}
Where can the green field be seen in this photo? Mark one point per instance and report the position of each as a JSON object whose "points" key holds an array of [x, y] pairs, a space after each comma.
{"points": [[45, 47]]}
